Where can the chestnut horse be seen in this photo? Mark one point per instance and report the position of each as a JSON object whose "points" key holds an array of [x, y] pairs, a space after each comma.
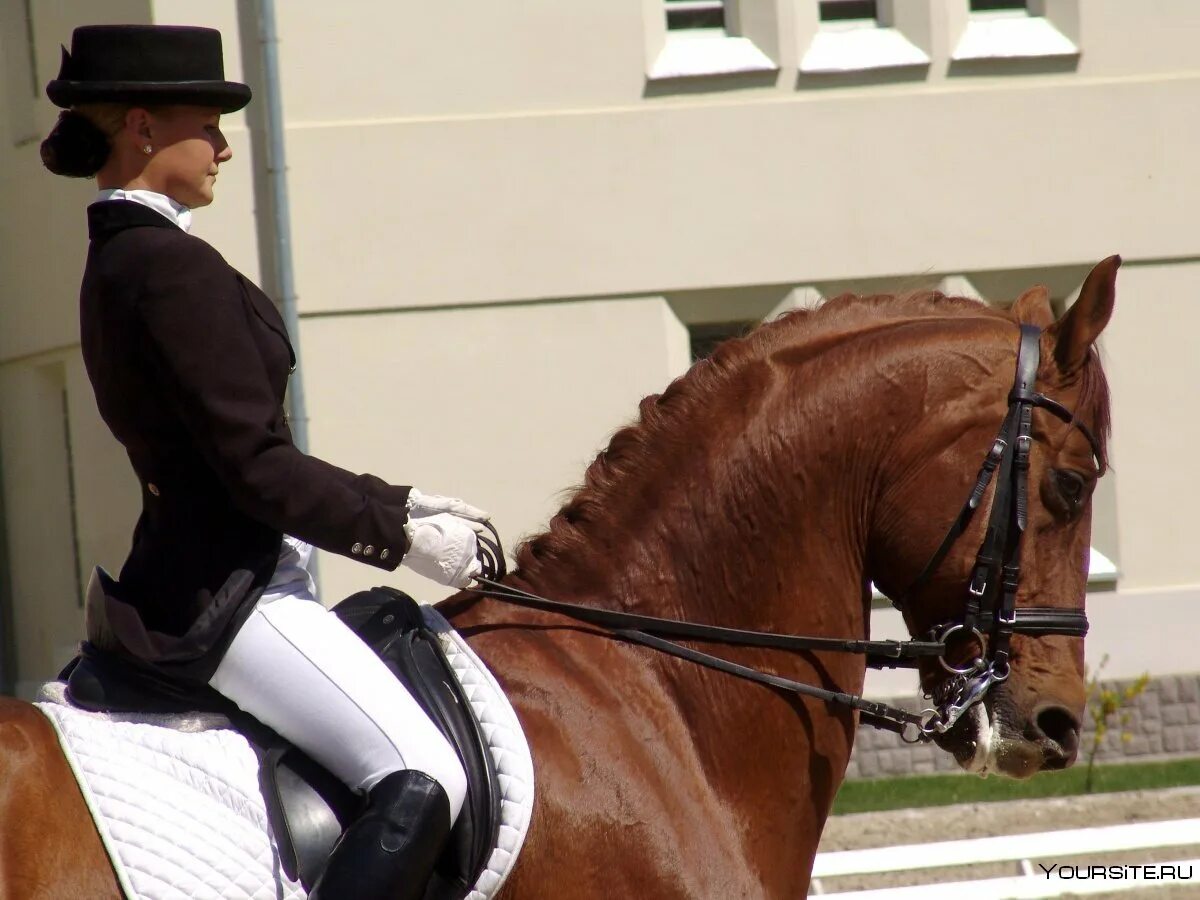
{"points": [[764, 489]]}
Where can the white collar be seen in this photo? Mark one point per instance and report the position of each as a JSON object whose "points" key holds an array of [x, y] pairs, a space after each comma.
{"points": [[160, 203]]}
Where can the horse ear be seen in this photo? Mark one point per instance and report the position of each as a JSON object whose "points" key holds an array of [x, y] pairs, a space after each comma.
{"points": [[1033, 307], [1074, 334]]}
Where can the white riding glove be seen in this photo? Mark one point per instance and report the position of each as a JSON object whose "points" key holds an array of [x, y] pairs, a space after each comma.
{"points": [[442, 543], [423, 504]]}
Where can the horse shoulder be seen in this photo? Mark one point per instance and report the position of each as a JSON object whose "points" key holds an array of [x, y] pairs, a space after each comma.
{"points": [[49, 847], [617, 773]]}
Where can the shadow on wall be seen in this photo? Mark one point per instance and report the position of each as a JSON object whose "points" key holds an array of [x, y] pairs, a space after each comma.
{"points": [[709, 84]]}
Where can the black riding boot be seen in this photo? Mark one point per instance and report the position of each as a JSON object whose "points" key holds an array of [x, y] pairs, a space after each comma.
{"points": [[388, 854]]}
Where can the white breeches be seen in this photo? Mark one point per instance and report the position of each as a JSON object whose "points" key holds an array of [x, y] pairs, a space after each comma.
{"points": [[296, 667]]}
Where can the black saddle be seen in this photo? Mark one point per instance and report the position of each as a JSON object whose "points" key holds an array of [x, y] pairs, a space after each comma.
{"points": [[307, 806]]}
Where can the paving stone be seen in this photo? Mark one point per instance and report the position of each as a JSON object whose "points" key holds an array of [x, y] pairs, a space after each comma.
{"points": [[1189, 689], [1175, 715], [1173, 741], [900, 760], [1168, 690], [1137, 746]]}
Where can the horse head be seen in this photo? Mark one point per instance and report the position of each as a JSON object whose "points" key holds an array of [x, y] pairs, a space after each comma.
{"points": [[832, 447], [1030, 719]]}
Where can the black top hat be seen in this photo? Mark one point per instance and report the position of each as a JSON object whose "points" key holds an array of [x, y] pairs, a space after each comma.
{"points": [[146, 64]]}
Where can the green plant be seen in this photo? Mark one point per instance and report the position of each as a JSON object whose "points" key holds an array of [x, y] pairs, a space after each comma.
{"points": [[1105, 704]]}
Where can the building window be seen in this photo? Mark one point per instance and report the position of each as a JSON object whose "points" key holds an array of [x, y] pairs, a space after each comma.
{"points": [[856, 36], [848, 10], [706, 336], [686, 14], [1009, 29], [705, 37], [994, 5]]}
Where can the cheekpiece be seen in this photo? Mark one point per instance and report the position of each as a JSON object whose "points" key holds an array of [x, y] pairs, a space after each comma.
{"points": [[150, 64]]}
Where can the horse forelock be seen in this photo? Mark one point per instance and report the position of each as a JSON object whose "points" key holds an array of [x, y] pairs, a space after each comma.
{"points": [[644, 453], [1093, 407]]}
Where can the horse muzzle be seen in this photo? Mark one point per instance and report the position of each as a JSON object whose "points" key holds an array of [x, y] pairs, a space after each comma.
{"points": [[993, 738]]}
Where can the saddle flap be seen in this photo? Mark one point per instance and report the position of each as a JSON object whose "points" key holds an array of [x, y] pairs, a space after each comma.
{"points": [[392, 624], [429, 674], [308, 809]]}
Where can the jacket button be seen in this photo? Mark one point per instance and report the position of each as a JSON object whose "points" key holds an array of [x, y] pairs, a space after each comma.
{"points": [[368, 550], [356, 549], [385, 553], [152, 488]]}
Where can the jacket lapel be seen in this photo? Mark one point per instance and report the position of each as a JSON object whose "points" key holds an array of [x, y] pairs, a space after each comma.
{"points": [[267, 313]]}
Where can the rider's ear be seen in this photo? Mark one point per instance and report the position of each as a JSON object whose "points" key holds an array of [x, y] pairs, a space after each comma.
{"points": [[1074, 334], [1033, 307]]}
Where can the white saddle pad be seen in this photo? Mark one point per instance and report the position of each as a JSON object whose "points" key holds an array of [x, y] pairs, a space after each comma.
{"points": [[177, 803]]}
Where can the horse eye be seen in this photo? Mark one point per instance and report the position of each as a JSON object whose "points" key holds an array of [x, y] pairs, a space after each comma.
{"points": [[1070, 485]]}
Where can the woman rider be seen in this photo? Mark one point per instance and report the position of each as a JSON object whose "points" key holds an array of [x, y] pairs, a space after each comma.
{"points": [[189, 362]]}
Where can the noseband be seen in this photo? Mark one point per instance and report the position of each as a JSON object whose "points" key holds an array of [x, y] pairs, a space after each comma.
{"points": [[991, 614]]}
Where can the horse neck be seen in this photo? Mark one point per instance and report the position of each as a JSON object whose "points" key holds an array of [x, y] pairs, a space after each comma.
{"points": [[754, 501], [754, 514], [957, 377]]}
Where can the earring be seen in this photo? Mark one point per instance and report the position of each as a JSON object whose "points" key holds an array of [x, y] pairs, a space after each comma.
{"points": [[147, 149]]}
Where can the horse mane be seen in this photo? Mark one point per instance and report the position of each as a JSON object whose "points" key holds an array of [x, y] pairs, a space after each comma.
{"points": [[662, 418]]}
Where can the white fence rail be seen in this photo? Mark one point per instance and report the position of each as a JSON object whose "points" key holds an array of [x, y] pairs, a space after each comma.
{"points": [[1019, 848]]}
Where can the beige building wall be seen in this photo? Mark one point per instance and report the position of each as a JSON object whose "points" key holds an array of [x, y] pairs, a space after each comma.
{"points": [[505, 405], [503, 225]]}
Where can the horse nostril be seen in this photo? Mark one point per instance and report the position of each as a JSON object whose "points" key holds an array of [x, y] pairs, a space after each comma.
{"points": [[1059, 731]]}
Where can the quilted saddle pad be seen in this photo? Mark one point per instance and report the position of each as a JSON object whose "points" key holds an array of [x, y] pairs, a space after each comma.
{"points": [[177, 803]]}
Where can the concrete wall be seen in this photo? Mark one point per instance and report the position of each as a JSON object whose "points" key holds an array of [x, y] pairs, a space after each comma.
{"points": [[501, 224]]}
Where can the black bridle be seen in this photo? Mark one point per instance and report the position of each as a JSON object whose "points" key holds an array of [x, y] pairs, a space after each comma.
{"points": [[991, 615]]}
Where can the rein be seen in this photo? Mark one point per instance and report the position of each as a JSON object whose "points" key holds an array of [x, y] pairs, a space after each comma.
{"points": [[648, 631], [983, 616]]}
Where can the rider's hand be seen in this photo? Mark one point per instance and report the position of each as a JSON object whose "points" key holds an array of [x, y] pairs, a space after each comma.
{"points": [[441, 532], [443, 547]]}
